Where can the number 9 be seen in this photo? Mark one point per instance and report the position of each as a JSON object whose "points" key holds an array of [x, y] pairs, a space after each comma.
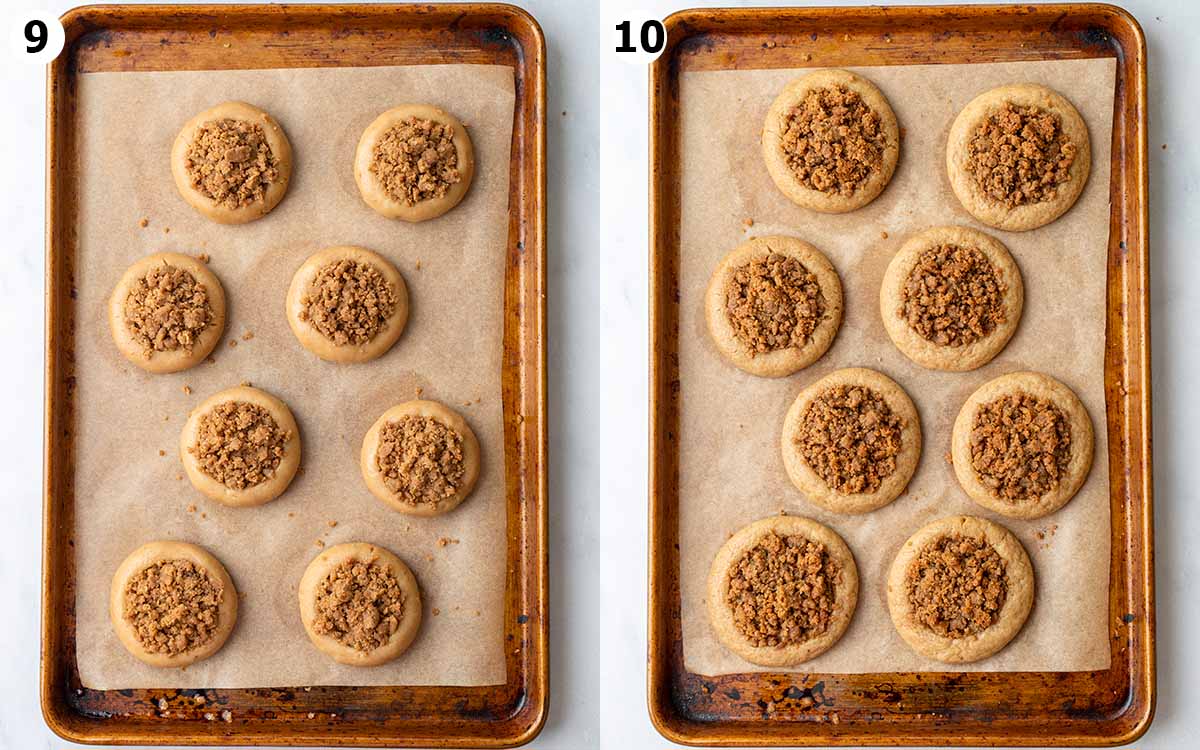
{"points": [[36, 34]]}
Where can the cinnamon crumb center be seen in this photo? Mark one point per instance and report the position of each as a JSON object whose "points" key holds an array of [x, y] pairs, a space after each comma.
{"points": [[416, 160], [173, 606], [850, 438], [953, 296], [360, 605], [420, 459], [1020, 155], [833, 141], [239, 444], [166, 310], [782, 590], [348, 302], [231, 162], [957, 586], [1020, 446], [773, 303]]}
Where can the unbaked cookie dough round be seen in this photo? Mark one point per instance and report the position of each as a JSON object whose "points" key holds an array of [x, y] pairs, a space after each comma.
{"points": [[951, 298], [167, 312], [831, 141], [241, 447], [1018, 156], [414, 162], [851, 441], [781, 591], [347, 304], [1022, 445], [960, 589], [360, 604], [232, 163], [172, 604], [773, 305], [421, 458]]}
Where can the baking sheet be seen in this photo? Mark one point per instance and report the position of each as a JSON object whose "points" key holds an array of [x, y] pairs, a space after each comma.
{"points": [[127, 493], [731, 471]]}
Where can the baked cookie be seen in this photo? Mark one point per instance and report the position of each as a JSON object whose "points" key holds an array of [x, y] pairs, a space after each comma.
{"points": [[851, 441], [781, 591], [960, 589], [951, 298], [360, 604], [831, 141], [232, 163], [1018, 156], [241, 447], [172, 604], [774, 305], [167, 312], [414, 162], [421, 458], [1022, 445], [347, 304]]}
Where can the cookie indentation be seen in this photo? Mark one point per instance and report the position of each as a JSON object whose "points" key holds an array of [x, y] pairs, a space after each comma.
{"points": [[953, 296], [231, 162], [781, 591], [850, 438], [773, 303], [359, 604], [239, 444], [420, 460], [1020, 155], [348, 302], [416, 160], [173, 606], [956, 586], [833, 141], [167, 309], [1020, 446]]}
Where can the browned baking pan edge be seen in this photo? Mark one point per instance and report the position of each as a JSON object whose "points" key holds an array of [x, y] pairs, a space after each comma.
{"points": [[1100, 708], [166, 37]]}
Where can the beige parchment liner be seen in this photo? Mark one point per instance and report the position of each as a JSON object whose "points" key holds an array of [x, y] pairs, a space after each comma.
{"points": [[127, 494], [731, 472]]}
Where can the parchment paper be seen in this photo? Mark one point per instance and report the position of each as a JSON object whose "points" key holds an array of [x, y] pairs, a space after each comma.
{"points": [[731, 472], [128, 494]]}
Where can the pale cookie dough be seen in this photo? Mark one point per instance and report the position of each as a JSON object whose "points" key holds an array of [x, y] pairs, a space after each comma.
{"points": [[360, 604], [773, 305], [167, 312], [951, 298], [1022, 445], [830, 141], [851, 441], [1018, 156], [232, 163], [781, 591], [420, 458], [347, 304], [241, 447], [960, 589], [172, 604], [414, 162]]}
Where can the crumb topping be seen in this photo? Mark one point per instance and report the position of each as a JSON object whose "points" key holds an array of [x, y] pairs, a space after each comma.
{"points": [[833, 141], [421, 459], [348, 302], [173, 606], [231, 162], [1020, 155], [773, 303], [957, 586], [416, 160], [1020, 446], [850, 437], [239, 444], [781, 591], [167, 309], [360, 605], [953, 296]]}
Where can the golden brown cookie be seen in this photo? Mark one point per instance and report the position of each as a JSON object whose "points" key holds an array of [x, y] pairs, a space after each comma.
{"points": [[1022, 445], [347, 304], [172, 604], [232, 163], [360, 604], [782, 591], [773, 305], [414, 162], [831, 141], [851, 440], [241, 447], [951, 298], [167, 312], [1018, 156], [960, 589], [421, 458]]}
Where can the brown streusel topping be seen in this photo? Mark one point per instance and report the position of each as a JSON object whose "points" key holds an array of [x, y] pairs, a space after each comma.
{"points": [[1020, 446], [421, 459], [1020, 155], [173, 606], [833, 141], [231, 162], [348, 302], [850, 437], [773, 303], [416, 160], [781, 591], [167, 309], [957, 585], [360, 605], [239, 444], [953, 296]]}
